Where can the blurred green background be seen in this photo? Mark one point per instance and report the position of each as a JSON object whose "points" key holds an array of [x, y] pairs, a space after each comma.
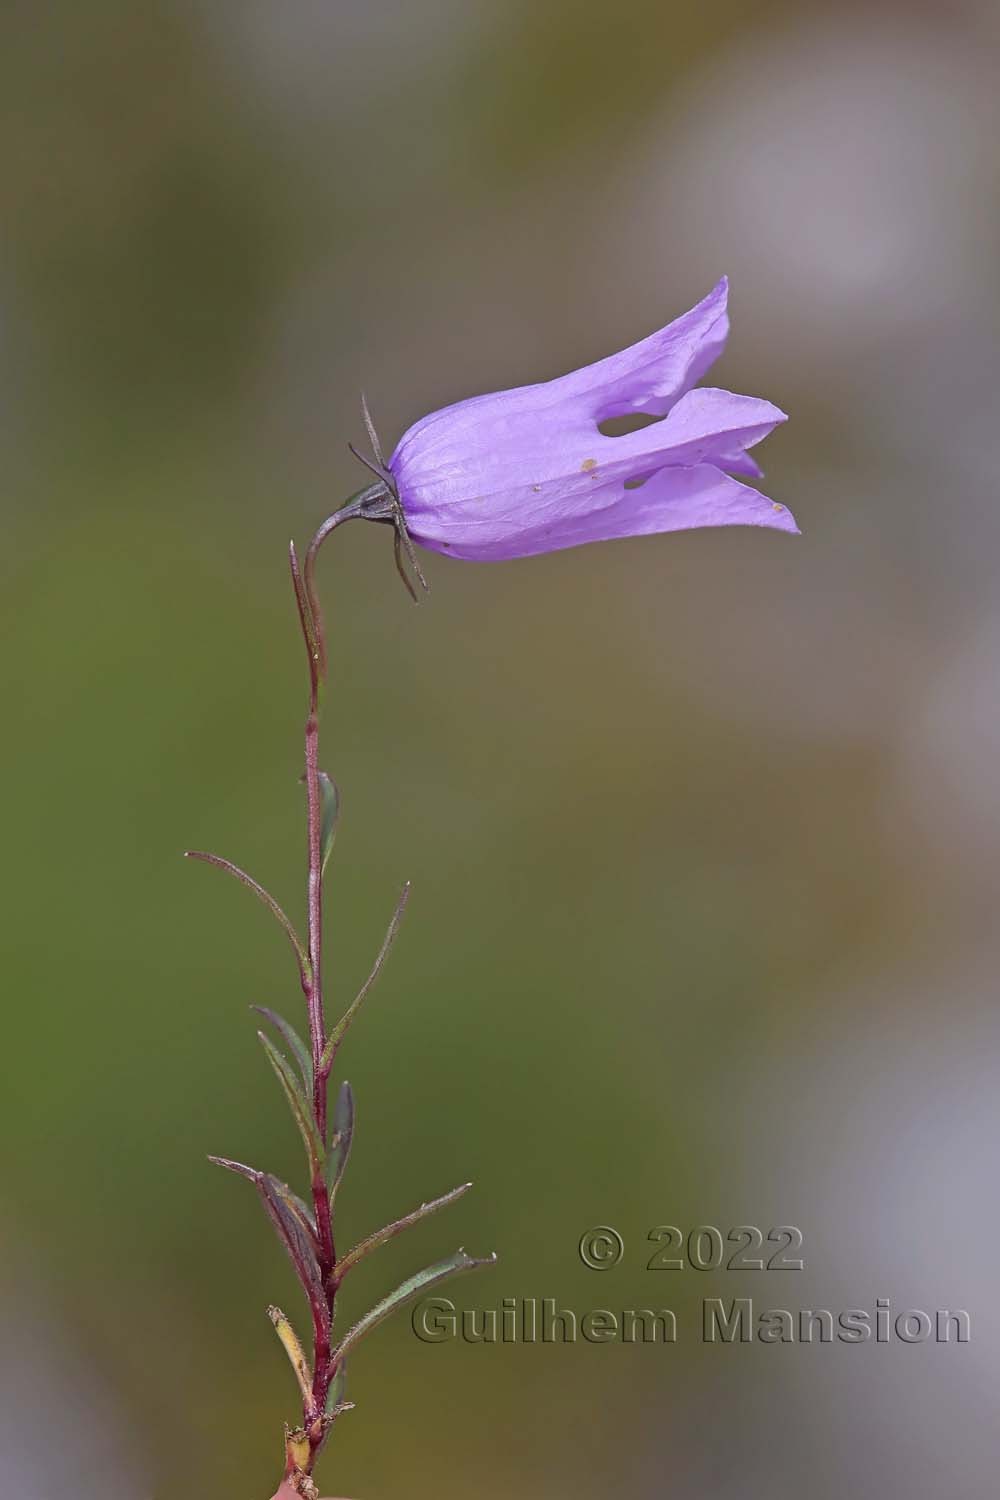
{"points": [[704, 830]]}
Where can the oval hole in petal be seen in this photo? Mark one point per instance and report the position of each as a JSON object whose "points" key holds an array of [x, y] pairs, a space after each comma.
{"points": [[638, 480], [621, 426]]}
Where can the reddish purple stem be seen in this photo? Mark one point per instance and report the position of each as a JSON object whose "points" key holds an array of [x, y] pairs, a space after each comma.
{"points": [[311, 621]]}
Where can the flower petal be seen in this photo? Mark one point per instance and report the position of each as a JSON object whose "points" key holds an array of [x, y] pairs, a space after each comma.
{"points": [[522, 476], [738, 462], [650, 376], [646, 378], [679, 499], [706, 426], [529, 470], [670, 500]]}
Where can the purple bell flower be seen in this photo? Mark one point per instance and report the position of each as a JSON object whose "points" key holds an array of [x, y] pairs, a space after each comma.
{"points": [[528, 470]]}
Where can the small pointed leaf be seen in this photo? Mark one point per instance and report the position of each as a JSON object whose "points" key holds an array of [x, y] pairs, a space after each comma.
{"points": [[329, 815], [236, 1166], [301, 1210], [299, 1245], [293, 1348], [306, 616], [264, 896], [338, 1386], [453, 1265], [296, 1101], [294, 1202], [343, 1134], [297, 1238], [295, 1044], [391, 1230], [339, 1031]]}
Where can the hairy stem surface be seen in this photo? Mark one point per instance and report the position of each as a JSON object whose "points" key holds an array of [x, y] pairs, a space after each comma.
{"points": [[310, 617]]}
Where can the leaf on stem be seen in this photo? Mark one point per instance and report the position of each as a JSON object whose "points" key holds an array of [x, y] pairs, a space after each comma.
{"points": [[340, 1030], [297, 1454], [236, 1166], [285, 1210], [292, 1200], [292, 1347], [299, 1245], [266, 898], [338, 1386], [343, 1134], [302, 1210], [454, 1265], [330, 814], [381, 1236], [297, 1102], [306, 619], [296, 1045]]}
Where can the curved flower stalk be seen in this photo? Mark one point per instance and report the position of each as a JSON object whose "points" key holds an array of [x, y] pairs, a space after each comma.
{"points": [[499, 476]]}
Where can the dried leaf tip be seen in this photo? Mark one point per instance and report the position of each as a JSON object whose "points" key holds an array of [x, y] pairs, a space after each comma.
{"points": [[296, 1355], [236, 1166]]}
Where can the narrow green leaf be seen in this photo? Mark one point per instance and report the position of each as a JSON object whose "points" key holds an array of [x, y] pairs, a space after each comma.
{"points": [[294, 1202], [302, 1210], [339, 1031], [454, 1265], [338, 1385], [268, 900], [236, 1166], [296, 1045], [329, 815], [299, 1245], [296, 1101], [285, 1210], [306, 616], [381, 1236], [343, 1134]]}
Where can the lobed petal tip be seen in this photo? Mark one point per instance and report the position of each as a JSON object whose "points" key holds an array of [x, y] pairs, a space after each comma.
{"points": [[719, 295], [785, 521]]}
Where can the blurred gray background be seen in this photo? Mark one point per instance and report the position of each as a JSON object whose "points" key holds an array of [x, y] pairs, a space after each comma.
{"points": [[704, 830]]}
